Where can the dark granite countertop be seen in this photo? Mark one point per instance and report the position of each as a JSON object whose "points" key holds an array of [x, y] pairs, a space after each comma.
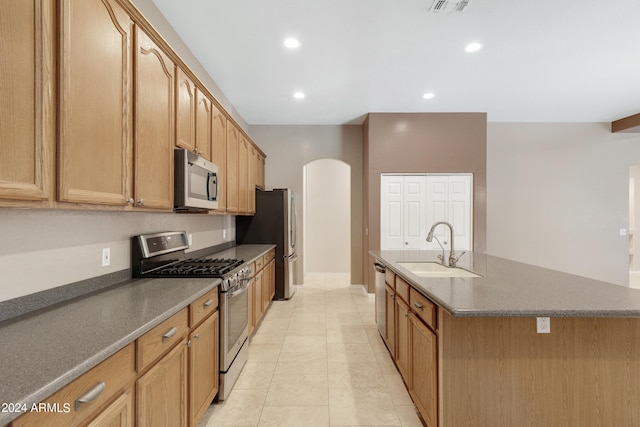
{"points": [[45, 350], [510, 288]]}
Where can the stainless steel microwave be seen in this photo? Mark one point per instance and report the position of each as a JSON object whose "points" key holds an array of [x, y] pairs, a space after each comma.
{"points": [[196, 182]]}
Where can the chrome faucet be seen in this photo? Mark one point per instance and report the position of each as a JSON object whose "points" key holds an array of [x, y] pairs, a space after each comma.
{"points": [[452, 259]]}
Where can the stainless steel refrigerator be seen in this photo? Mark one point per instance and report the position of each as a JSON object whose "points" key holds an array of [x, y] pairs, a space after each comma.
{"points": [[274, 222]]}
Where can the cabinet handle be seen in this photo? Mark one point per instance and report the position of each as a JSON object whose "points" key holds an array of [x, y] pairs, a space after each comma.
{"points": [[208, 303], [418, 305], [171, 332], [131, 201], [91, 395], [141, 202], [196, 336]]}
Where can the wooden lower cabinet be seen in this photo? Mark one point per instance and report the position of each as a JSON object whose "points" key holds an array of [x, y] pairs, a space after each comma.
{"points": [[89, 395], [403, 339], [118, 414], [257, 297], [424, 370], [203, 367], [161, 393], [390, 320]]}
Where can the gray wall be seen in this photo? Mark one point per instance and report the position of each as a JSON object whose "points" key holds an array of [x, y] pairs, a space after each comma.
{"points": [[557, 194], [423, 143], [289, 148], [43, 249]]}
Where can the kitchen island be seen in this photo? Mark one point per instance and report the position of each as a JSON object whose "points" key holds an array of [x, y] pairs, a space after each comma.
{"points": [[469, 351]]}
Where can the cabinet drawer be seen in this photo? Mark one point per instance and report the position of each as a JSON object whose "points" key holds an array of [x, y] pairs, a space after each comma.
{"points": [[269, 256], [402, 288], [390, 278], [425, 309], [95, 388], [160, 339], [259, 263], [203, 307]]}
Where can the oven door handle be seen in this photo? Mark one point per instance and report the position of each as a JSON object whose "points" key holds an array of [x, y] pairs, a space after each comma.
{"points": [[238, 291]]}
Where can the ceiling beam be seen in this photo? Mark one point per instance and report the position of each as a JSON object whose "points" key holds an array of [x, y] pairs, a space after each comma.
{"points": [[628, 124]]}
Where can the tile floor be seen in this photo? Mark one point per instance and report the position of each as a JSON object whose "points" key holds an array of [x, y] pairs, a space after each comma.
{"points": [[317, 360]]}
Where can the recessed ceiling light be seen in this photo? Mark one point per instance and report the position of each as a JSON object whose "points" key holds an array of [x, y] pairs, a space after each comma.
{"points": [[428, 95], [299, 95], [473, 47], [291, 43]]}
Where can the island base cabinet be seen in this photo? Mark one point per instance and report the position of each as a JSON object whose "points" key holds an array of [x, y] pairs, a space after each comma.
{"points": [[403, 340], [500, 372], [424, 372], [161, 393]]}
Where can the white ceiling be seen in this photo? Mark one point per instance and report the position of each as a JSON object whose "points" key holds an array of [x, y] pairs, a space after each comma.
{"points": [[542, 61]]}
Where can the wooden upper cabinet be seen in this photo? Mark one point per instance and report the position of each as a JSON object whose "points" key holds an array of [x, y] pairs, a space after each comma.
{"points": [[243, 175], [203, 125], [154, 118], [27, 118], [185, 111], [253, 178], [233, 141], [94, 102], [219, 152], [260, 167]]}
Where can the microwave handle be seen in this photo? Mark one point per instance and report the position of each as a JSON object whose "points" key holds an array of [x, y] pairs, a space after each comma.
{"points": [[212, 182]]}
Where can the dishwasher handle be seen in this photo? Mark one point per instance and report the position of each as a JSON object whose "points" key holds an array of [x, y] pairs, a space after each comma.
{"points": [[380, 268]]}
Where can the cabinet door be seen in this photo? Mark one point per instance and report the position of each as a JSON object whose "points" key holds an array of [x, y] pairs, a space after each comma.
{"points": [[253, 173], [272, 279], [424, 370], [243, 175], [162, 392], [260, 179], [203, 367], [233, 140], [252, 316], [94, 151], [403, 342], [185, 111], [203, 125], [266, 289], [219, 153], [118, 414], [154, 136], [390, 320], [257, 297], [27, 117]]}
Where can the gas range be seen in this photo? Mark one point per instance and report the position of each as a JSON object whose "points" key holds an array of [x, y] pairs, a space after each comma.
{"points": [[162, 255]]}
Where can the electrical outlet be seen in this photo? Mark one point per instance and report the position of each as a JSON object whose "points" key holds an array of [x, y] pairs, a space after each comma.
{"points": [[106, 257], [543, 325], [190, 239], [224, 234]]}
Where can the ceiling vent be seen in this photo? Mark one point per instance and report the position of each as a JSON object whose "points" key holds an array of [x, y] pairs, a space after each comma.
{"points": [[447, 6]]}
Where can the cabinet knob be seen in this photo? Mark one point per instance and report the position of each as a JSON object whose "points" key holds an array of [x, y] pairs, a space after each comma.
{"points": [[196, 336], [131, 201], [141, 202], [406, 315]]}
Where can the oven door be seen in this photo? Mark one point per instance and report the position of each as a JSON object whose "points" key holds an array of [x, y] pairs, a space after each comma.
{"points": [[234, 322]]}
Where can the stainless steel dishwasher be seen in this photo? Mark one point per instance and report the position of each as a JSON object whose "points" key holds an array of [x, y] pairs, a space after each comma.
{"points": [[380, 300]]}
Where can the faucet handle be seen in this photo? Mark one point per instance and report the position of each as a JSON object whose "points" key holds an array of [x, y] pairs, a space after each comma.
{"points": [[453, 259], [441, 258]]}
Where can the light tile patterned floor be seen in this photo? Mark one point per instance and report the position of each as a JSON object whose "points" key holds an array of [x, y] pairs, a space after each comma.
{"points": [[317, 360]]}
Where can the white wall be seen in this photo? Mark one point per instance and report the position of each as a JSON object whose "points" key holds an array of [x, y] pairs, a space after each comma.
{"points": [[43, 249], [557, 194], [327, 225]]}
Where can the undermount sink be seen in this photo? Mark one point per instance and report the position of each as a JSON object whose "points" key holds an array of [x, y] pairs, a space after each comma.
{"points": [[434, 269]]}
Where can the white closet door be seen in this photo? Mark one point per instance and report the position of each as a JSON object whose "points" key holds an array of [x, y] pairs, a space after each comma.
{"points": [[460, 210], [438, 209], [415, 212], [391, 212]]}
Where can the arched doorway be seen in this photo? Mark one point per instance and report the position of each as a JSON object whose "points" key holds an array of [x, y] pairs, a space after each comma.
{"points": [[327, 217]]}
